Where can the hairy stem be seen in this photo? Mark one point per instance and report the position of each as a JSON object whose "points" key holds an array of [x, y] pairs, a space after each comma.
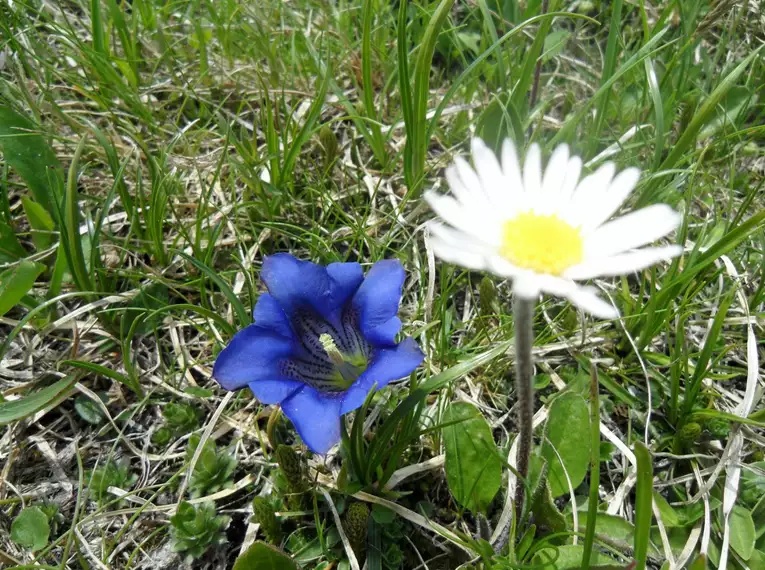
{"points": [[523, 314]]}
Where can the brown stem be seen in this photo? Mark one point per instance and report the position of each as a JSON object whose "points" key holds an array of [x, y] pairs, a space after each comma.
{"points": [[523, 314]]}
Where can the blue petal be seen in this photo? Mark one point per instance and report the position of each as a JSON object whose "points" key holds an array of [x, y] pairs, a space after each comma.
{"points": [[384, 334], [274, 391], [297, 284], [377, 299], [253, 354], [345, 279], [387, 364], [269, 315], [316, 417]]}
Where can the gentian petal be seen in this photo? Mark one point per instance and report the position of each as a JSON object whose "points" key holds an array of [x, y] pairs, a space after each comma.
{"points": [[253, 354], [297, 284], [376, 300], [316, 417], [387, 364], [269, 315], [384, 334], [345, 279], [274, 391]]}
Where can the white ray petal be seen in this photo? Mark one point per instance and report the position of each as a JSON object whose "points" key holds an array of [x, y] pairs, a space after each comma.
{"points": [[463, 257], [573, 171], [459, 239], [555, 173], [589, 190], [490, 174], [458, 188], [511, 168], [470, 179], [467, 219], [587, 299], [609, 202], [502, 267], [630, 231], [532, 170], [623, 263], [527, 286]]}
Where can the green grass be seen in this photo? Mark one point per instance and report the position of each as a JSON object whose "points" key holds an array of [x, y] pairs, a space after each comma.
{"points": [[154, 151]]}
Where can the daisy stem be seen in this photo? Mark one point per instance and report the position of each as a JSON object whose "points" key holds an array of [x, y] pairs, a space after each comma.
{"points": [[523, 314]]}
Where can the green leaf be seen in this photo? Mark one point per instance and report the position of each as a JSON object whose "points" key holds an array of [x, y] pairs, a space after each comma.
{"points": [[568, 433], [742, 532], [554, 44], [30, 529], [88, 410], [15, 282], [19, 409], [734, 106], [565, 558], [30, 156], [261, 556], [10, 248], [473, 467], [41, 223], [668, 515]]}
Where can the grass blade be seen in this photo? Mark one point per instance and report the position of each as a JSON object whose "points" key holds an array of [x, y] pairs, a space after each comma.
{"points": [[19, 409], [643, 504]]}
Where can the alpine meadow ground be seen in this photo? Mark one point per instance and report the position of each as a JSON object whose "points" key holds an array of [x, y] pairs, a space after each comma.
{"points": [[345, 284]]}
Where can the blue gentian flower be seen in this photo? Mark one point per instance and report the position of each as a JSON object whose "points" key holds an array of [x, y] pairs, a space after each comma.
{"points": [[323, 338]]}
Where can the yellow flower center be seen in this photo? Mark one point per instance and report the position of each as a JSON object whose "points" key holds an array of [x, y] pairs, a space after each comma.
{"points": [[544, 244]]}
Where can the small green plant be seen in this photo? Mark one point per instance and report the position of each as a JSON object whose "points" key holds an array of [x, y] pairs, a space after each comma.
{"points": [[293, 470], [112, 474], [264, 515], [356, 521], [195, 529], [181, 418], [30, 529], [214, 469]]}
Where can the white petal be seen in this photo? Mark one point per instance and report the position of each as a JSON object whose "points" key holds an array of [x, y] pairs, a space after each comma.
{"points": [[608, 203], [532, 170], [573, 170], [470, 179], [632, 230], [511, 167], [489, 172], [526, 287], [458, 188], [587, 299], [468, 219], [555, 173], [447, 252], [459, 239], [502, 267], [623, 263], [590, 190]]}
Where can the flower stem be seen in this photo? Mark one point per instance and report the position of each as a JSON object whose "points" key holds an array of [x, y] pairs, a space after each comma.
{"points": [[523, 314]]}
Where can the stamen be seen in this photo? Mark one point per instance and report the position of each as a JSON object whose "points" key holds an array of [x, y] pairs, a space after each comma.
{"points": [[328, 343]]}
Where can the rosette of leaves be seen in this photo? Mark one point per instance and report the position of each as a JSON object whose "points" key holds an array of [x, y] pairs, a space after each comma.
{"points": [[265, 515], [293, 470], [214, 469], [111, 474], [195, 529]]}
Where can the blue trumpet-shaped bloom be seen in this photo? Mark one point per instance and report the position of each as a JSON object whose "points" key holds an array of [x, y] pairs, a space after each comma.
{"points": [[323, 338]]}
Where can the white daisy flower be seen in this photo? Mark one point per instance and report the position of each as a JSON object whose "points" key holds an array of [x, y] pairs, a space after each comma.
{"points": [[544, 230]]}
